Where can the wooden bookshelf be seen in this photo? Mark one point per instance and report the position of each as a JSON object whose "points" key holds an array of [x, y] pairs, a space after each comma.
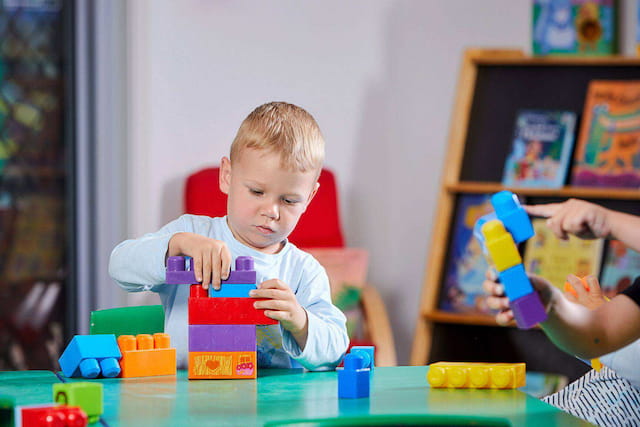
{"points": [[493, 85]]}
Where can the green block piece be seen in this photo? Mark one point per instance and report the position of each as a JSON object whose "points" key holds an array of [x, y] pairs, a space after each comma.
{"points": [[7, 403], [143, 319], [86, 395]]}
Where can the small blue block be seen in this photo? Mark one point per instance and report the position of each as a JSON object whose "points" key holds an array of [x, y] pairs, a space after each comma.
{"points": [[90, 355], [353, 379], [232, 290], [515, 281], [513, 216], [368, 352]]}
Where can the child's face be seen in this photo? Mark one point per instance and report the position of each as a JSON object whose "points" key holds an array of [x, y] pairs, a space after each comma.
{"points": [[265, 200]]}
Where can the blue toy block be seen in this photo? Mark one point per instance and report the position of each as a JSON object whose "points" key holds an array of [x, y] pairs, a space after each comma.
{"points": [[515, 281], [232, 290], [353, 379], [90, 355], [513, 216], [368, 354]]}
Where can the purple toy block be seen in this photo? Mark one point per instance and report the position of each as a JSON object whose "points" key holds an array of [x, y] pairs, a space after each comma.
{"points": [[222, 337], [528, 311], [177, 273]]}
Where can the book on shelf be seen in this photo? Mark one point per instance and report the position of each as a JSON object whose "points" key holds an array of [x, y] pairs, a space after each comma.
{"points": [[574, 27], [466, 264], [620, 268], [608, 145], [554, 259], [542, 147]]}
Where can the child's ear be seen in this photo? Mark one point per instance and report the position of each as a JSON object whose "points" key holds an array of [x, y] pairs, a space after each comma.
{"points": [[224, 179], [313, 194]]}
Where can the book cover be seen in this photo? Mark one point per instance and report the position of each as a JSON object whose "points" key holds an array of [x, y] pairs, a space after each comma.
{"points": [[608, 146], [620, 268], [574, 27], [554, 259], [466, 264], [541, 152]]}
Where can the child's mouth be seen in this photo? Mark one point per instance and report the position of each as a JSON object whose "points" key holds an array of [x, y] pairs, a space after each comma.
{"points": [[264, 230]]}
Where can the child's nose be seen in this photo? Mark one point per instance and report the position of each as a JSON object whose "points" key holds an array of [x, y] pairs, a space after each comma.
{"points": [[270, 210]]}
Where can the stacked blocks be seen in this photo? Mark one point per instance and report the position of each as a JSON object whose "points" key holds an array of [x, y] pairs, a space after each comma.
{"points": [[145, 355], [222, 323], [499, 233], [354, 378], [89, 356], [86, 395], [476, 375]]}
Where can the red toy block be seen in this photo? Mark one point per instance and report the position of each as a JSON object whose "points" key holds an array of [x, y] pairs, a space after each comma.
{"points": [[52, 416], [226, 311]]}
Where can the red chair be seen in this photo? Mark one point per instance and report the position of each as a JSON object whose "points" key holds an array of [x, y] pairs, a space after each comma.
{"points": [[319, 227]]}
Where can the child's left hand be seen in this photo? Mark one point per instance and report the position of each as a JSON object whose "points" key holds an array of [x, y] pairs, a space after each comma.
{"points": [[281, 304], [590, 296]]}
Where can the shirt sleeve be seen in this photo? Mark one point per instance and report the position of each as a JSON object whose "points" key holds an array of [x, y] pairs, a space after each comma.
{"points": [[139, 264], [327, 338], [633, 291]]}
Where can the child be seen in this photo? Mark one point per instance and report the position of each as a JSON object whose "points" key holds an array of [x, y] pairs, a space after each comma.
{"points": [[270, 178], [605, 397]]}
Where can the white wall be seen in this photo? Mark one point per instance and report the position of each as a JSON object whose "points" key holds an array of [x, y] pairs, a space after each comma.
{"points": [[379, 76]]}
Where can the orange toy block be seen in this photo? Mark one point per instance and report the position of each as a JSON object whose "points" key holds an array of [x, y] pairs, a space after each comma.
{"points": [[146, 356], [222, 365]]}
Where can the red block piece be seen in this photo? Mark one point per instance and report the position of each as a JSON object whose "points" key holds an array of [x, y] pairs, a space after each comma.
{"points": [[226, 311], [53, 416]]}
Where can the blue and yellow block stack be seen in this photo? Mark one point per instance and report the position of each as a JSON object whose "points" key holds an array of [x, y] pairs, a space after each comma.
{"points": [[499, 233]]}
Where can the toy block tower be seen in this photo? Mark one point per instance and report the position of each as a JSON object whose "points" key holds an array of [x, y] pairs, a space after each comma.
{"points": [[499, 233], [222, 323]]}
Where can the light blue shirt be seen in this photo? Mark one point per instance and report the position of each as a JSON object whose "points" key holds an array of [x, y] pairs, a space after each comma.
{"points": [[139, 265]]}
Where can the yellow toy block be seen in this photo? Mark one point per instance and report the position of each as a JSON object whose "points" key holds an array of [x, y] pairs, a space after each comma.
{"points": [[476, 375], [222, 365], [499, 242]]}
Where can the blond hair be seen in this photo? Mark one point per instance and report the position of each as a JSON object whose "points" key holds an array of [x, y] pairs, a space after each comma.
{"points": [[285, 129]]}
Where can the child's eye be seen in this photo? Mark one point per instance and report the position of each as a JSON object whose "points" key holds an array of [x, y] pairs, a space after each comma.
{"points": [[290, 201], [256, 192]]}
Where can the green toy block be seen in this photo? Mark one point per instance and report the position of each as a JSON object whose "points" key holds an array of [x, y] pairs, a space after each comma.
{"points": [[143, 319], [7, 404], [86, 395]]}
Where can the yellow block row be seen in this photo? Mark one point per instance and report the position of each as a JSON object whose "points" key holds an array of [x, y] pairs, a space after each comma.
{"points": [[476, 375]]}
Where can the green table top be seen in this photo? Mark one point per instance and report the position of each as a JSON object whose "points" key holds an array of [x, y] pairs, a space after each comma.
{"points": [[399, 395]]}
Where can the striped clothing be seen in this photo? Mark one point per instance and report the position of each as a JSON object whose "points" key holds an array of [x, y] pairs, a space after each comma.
{"points": [[602, 398]]}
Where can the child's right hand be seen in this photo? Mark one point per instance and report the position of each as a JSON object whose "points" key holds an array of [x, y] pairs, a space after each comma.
{"points": [[497, 299], [585, 220], [211, 257]]}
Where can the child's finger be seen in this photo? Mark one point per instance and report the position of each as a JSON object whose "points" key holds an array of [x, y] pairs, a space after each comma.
{"points": [[504, 317], [492, 288], [225, 258], [273, 284], [196, 267], [206, 271], [270, 293], [579, 286], [544, 211], [593, 284], [215, 270], [571, 297], [497, 303]]}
